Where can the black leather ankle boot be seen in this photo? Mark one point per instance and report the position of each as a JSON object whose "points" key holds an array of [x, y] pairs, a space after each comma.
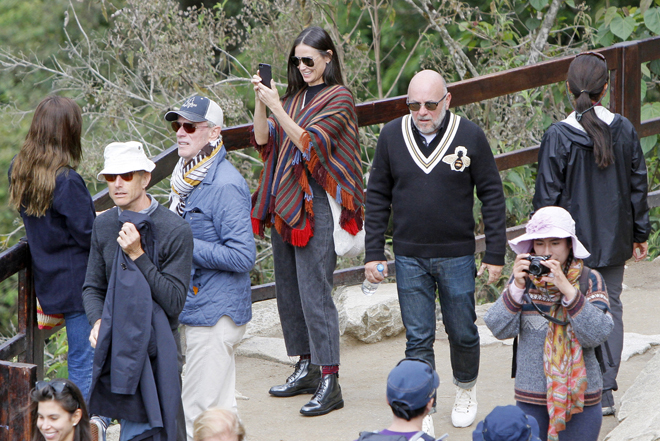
{"points": [[326, 399], [304, 380]]}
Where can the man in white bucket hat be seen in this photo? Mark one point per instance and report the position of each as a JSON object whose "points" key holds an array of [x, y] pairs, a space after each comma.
{"points": [[135, 288]]}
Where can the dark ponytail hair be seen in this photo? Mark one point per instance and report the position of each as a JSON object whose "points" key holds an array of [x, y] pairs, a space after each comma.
{"points": [[587, 77], [320, 40]]}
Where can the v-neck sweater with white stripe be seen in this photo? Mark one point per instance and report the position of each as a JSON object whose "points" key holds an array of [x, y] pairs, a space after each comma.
{"points": [[431, 198]]}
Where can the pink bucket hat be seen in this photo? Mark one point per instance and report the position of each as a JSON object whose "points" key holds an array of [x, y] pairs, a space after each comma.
{"points": [[549, 222]]}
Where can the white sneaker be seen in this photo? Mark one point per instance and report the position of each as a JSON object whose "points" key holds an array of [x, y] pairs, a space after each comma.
{"points": [[465, 407], [427, 426]]}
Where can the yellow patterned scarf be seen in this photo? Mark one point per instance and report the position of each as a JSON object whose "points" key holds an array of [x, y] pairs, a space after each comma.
{"points": [[188, 175], [565, 372]]}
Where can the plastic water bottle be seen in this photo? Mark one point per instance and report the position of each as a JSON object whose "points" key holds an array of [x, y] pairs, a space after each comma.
{"points": [[369, 288]]}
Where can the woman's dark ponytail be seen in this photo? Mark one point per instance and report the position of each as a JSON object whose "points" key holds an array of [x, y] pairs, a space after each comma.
{"points": [[587, 78]]}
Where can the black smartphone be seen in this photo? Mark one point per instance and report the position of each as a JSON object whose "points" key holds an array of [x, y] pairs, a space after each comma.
{"points": [[265, 74]]}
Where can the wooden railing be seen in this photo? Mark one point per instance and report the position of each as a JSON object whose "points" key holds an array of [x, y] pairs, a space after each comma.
{"points": [[624, 61]]}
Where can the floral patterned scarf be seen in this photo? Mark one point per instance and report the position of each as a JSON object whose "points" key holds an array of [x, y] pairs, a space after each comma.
{"points": [[565, 372]]}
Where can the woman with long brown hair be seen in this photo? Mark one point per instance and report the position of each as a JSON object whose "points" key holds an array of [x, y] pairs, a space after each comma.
{"points": [[592, 164], [58, 412], [58, 214], [311, 152]]}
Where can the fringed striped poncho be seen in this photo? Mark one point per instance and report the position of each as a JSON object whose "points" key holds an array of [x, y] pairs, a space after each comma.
{"points": [[332, 158]]}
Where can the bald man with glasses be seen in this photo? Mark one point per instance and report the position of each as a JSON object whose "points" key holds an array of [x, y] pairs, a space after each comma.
{"points": [[425, 171]]}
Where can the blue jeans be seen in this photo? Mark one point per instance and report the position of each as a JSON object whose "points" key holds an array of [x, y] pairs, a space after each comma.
{"points": [[81, 353], [417, 279]]}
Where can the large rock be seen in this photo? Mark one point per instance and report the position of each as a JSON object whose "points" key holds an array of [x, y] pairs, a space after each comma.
{"points": [[369, 318], [639, 415], [487, 338], [634, 344], [266, 348], [265, 320]]}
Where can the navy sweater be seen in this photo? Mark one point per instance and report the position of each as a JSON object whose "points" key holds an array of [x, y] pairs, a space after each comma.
{"points": [[59, 244], [431, 197]]}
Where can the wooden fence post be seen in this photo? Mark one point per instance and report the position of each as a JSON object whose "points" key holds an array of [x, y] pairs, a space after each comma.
{"points": [[16, 381], [615, 65], [631, 82], [27, 322]]}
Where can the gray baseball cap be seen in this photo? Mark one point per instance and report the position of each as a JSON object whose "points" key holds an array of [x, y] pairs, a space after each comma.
{"points": [[198, 109]]}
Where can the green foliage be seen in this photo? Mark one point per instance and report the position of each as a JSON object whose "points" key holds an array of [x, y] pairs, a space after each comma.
{"points": [[129, 61], [55, 355], [624, 23]]}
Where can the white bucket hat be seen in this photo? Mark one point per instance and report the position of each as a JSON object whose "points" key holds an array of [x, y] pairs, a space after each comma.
{"points": [[549, 222], [124, 157]]}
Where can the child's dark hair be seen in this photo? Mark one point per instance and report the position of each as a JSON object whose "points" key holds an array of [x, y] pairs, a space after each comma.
{"points": [[401, 410], [69, 397], [587, 78]]}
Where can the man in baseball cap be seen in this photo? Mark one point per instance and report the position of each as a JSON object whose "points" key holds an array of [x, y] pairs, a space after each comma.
{"points": [[411, 390], [135, 287], [209, 193]]}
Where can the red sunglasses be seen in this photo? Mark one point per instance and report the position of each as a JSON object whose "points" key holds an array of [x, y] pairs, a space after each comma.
{"points": [[187, 127]]}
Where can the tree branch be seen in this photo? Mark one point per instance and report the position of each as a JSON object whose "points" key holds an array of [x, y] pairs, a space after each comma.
{"points": [[461, 61], [544, 31]]}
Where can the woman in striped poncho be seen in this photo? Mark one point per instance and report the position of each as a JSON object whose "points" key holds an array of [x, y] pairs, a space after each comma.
{"points": [[309, 147]]}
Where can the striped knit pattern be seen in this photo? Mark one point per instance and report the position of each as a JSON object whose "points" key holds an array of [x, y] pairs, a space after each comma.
{"points": [[48, 321], [332, 158], [186, 177]]}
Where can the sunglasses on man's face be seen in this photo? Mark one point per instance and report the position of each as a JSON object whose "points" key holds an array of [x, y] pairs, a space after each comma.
{"points": [[127, 177], [307, 61], [430, 105], [187, 127]]}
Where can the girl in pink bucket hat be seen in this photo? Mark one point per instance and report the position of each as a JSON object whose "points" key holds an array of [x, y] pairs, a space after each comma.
{"points": [[558, 310]]}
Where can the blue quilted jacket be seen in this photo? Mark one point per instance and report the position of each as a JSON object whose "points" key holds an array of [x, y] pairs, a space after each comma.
{"points": [[218, 211]]}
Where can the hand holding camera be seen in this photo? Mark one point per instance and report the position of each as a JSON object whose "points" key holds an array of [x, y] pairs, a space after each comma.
{"points": [[547, 269], [531, 264], [536, 268]]}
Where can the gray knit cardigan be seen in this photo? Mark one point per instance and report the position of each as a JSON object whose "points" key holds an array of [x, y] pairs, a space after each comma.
{"points": [[589, 319]]}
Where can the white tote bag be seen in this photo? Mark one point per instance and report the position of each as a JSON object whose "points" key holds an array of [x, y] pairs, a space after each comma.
{"points": [[346, 245]]}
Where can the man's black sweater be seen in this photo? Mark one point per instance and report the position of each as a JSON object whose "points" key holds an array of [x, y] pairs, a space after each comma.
{"points": [[431, 193]]}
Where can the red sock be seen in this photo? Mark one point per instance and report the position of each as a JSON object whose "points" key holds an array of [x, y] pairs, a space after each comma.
{"points": [[327, 370], [305, 357]]}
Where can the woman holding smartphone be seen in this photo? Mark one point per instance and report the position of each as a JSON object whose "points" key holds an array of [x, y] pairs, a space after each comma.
{"points": [[310, 147], [592, 164], [558, 309], [58, 213]]}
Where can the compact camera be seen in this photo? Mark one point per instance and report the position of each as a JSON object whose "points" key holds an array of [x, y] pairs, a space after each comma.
{"points": [[536, 268]]}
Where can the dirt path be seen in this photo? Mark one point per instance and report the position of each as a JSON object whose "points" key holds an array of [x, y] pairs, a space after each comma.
{"points": [[365, 367]]}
